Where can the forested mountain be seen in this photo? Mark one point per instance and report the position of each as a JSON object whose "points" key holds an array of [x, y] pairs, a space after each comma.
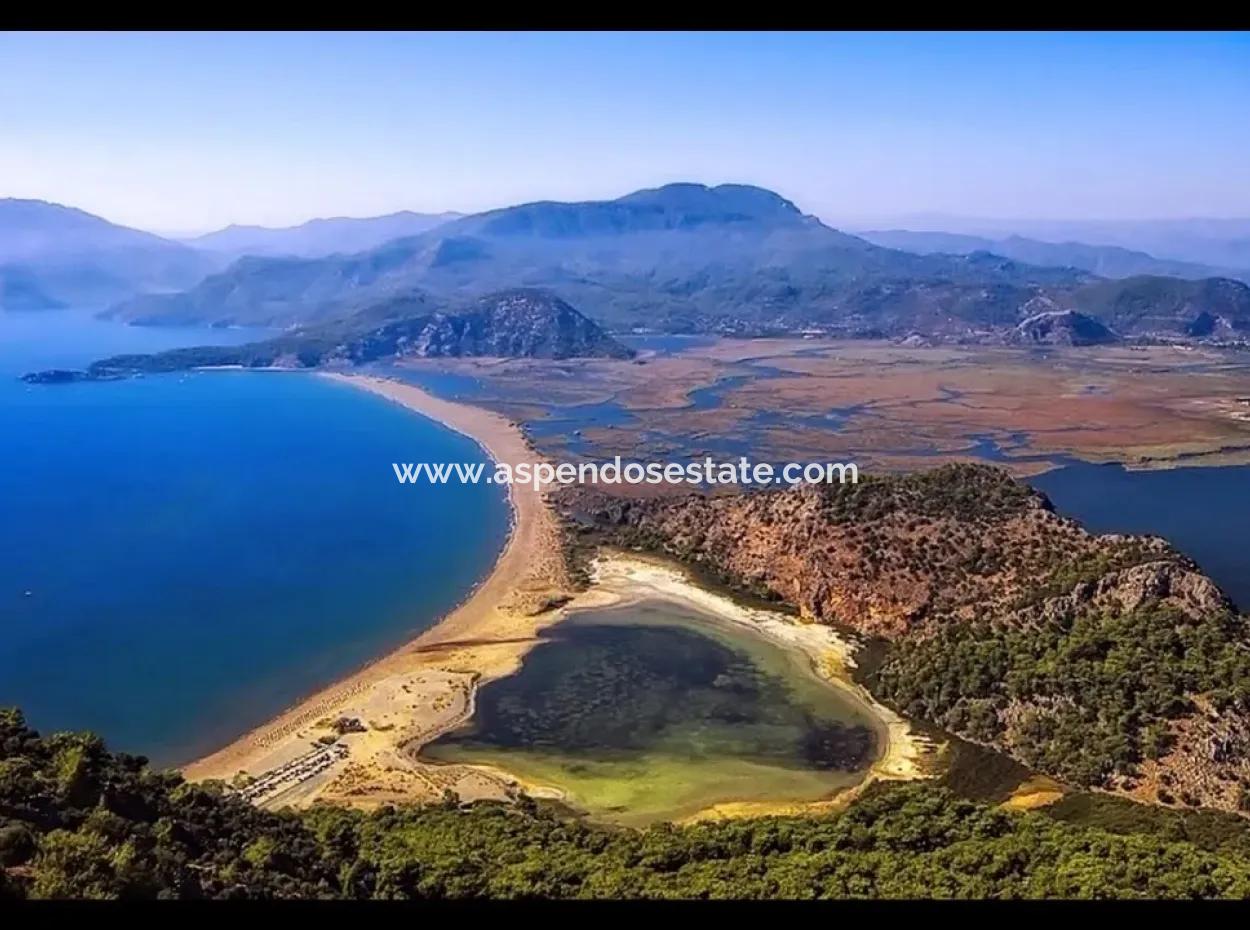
{"points": [[509, 324], [1105, 661]]}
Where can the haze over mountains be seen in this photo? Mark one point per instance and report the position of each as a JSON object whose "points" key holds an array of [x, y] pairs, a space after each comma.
{"points": [[1107, 261], [681, 258], [53, 256], [1216, 242], [318, 237]]}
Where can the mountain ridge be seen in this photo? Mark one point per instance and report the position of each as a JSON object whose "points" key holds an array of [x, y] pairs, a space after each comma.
{"points": [[731, 259], [319, 237], [1108, 261], [680, 257]]}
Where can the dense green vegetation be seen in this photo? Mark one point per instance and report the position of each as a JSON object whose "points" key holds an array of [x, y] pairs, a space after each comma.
{"points": [[1082, 699], [1214, 831], [1078, 655], [78, 821]]}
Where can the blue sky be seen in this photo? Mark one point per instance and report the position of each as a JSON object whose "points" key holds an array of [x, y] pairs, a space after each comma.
{"points": [[190, 132]]}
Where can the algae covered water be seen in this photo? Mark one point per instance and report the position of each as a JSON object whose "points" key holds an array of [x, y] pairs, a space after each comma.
{"points": [[653, 711]]}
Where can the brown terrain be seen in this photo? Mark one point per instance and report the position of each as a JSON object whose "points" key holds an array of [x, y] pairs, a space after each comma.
{"points": [[888, 557], [912, 560], [886, 406]]}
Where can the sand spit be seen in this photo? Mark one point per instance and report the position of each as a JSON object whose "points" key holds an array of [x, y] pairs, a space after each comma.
{"points": [[426, 687]]}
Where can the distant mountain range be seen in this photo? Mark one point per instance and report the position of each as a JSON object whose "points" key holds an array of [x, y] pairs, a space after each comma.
{"points": [[1214, 242], [1107, 261], [689, 258], [681, 258], [516, 323], [320, 237], [52, 256]]}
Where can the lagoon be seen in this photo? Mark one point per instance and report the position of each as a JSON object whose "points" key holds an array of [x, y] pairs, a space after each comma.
{"points": [[655, 711]]}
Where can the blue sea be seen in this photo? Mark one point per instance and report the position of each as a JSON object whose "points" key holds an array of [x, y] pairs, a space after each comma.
{"points": [[186, 555]]}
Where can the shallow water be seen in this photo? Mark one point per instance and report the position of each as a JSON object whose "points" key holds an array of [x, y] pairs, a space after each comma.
{"points": [[652, 712]]}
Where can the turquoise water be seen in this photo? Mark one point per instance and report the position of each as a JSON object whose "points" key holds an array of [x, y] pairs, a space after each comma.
{"points": [[202, 550]]}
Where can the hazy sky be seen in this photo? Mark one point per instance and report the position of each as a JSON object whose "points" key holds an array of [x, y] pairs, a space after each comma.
{"points": [[189, 132]]}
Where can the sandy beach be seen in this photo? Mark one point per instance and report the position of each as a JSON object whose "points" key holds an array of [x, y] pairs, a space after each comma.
{"points": [[426, 686], [357, 741]]}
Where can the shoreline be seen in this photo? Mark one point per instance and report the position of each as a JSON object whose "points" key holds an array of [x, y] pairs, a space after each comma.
{"points": [[482, 637], [620, 579]]}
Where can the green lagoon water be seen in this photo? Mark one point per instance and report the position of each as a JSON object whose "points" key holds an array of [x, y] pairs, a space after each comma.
{"points": [[652, 712]]}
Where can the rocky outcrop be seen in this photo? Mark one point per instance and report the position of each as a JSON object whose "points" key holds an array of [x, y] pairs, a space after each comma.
{"points": [[1208, 764], [510, 324], [1061, 328], [1170, 580], [514, 324]]}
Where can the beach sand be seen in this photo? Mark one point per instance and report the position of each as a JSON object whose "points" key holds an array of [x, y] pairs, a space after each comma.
{"points": [[427, 687]]}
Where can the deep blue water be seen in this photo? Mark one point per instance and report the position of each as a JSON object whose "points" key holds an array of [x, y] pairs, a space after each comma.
{"points": [[1204, 512], [202, 550]]}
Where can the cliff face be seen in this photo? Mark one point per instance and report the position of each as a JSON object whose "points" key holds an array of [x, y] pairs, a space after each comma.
{"points": [[1105, 660]]}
